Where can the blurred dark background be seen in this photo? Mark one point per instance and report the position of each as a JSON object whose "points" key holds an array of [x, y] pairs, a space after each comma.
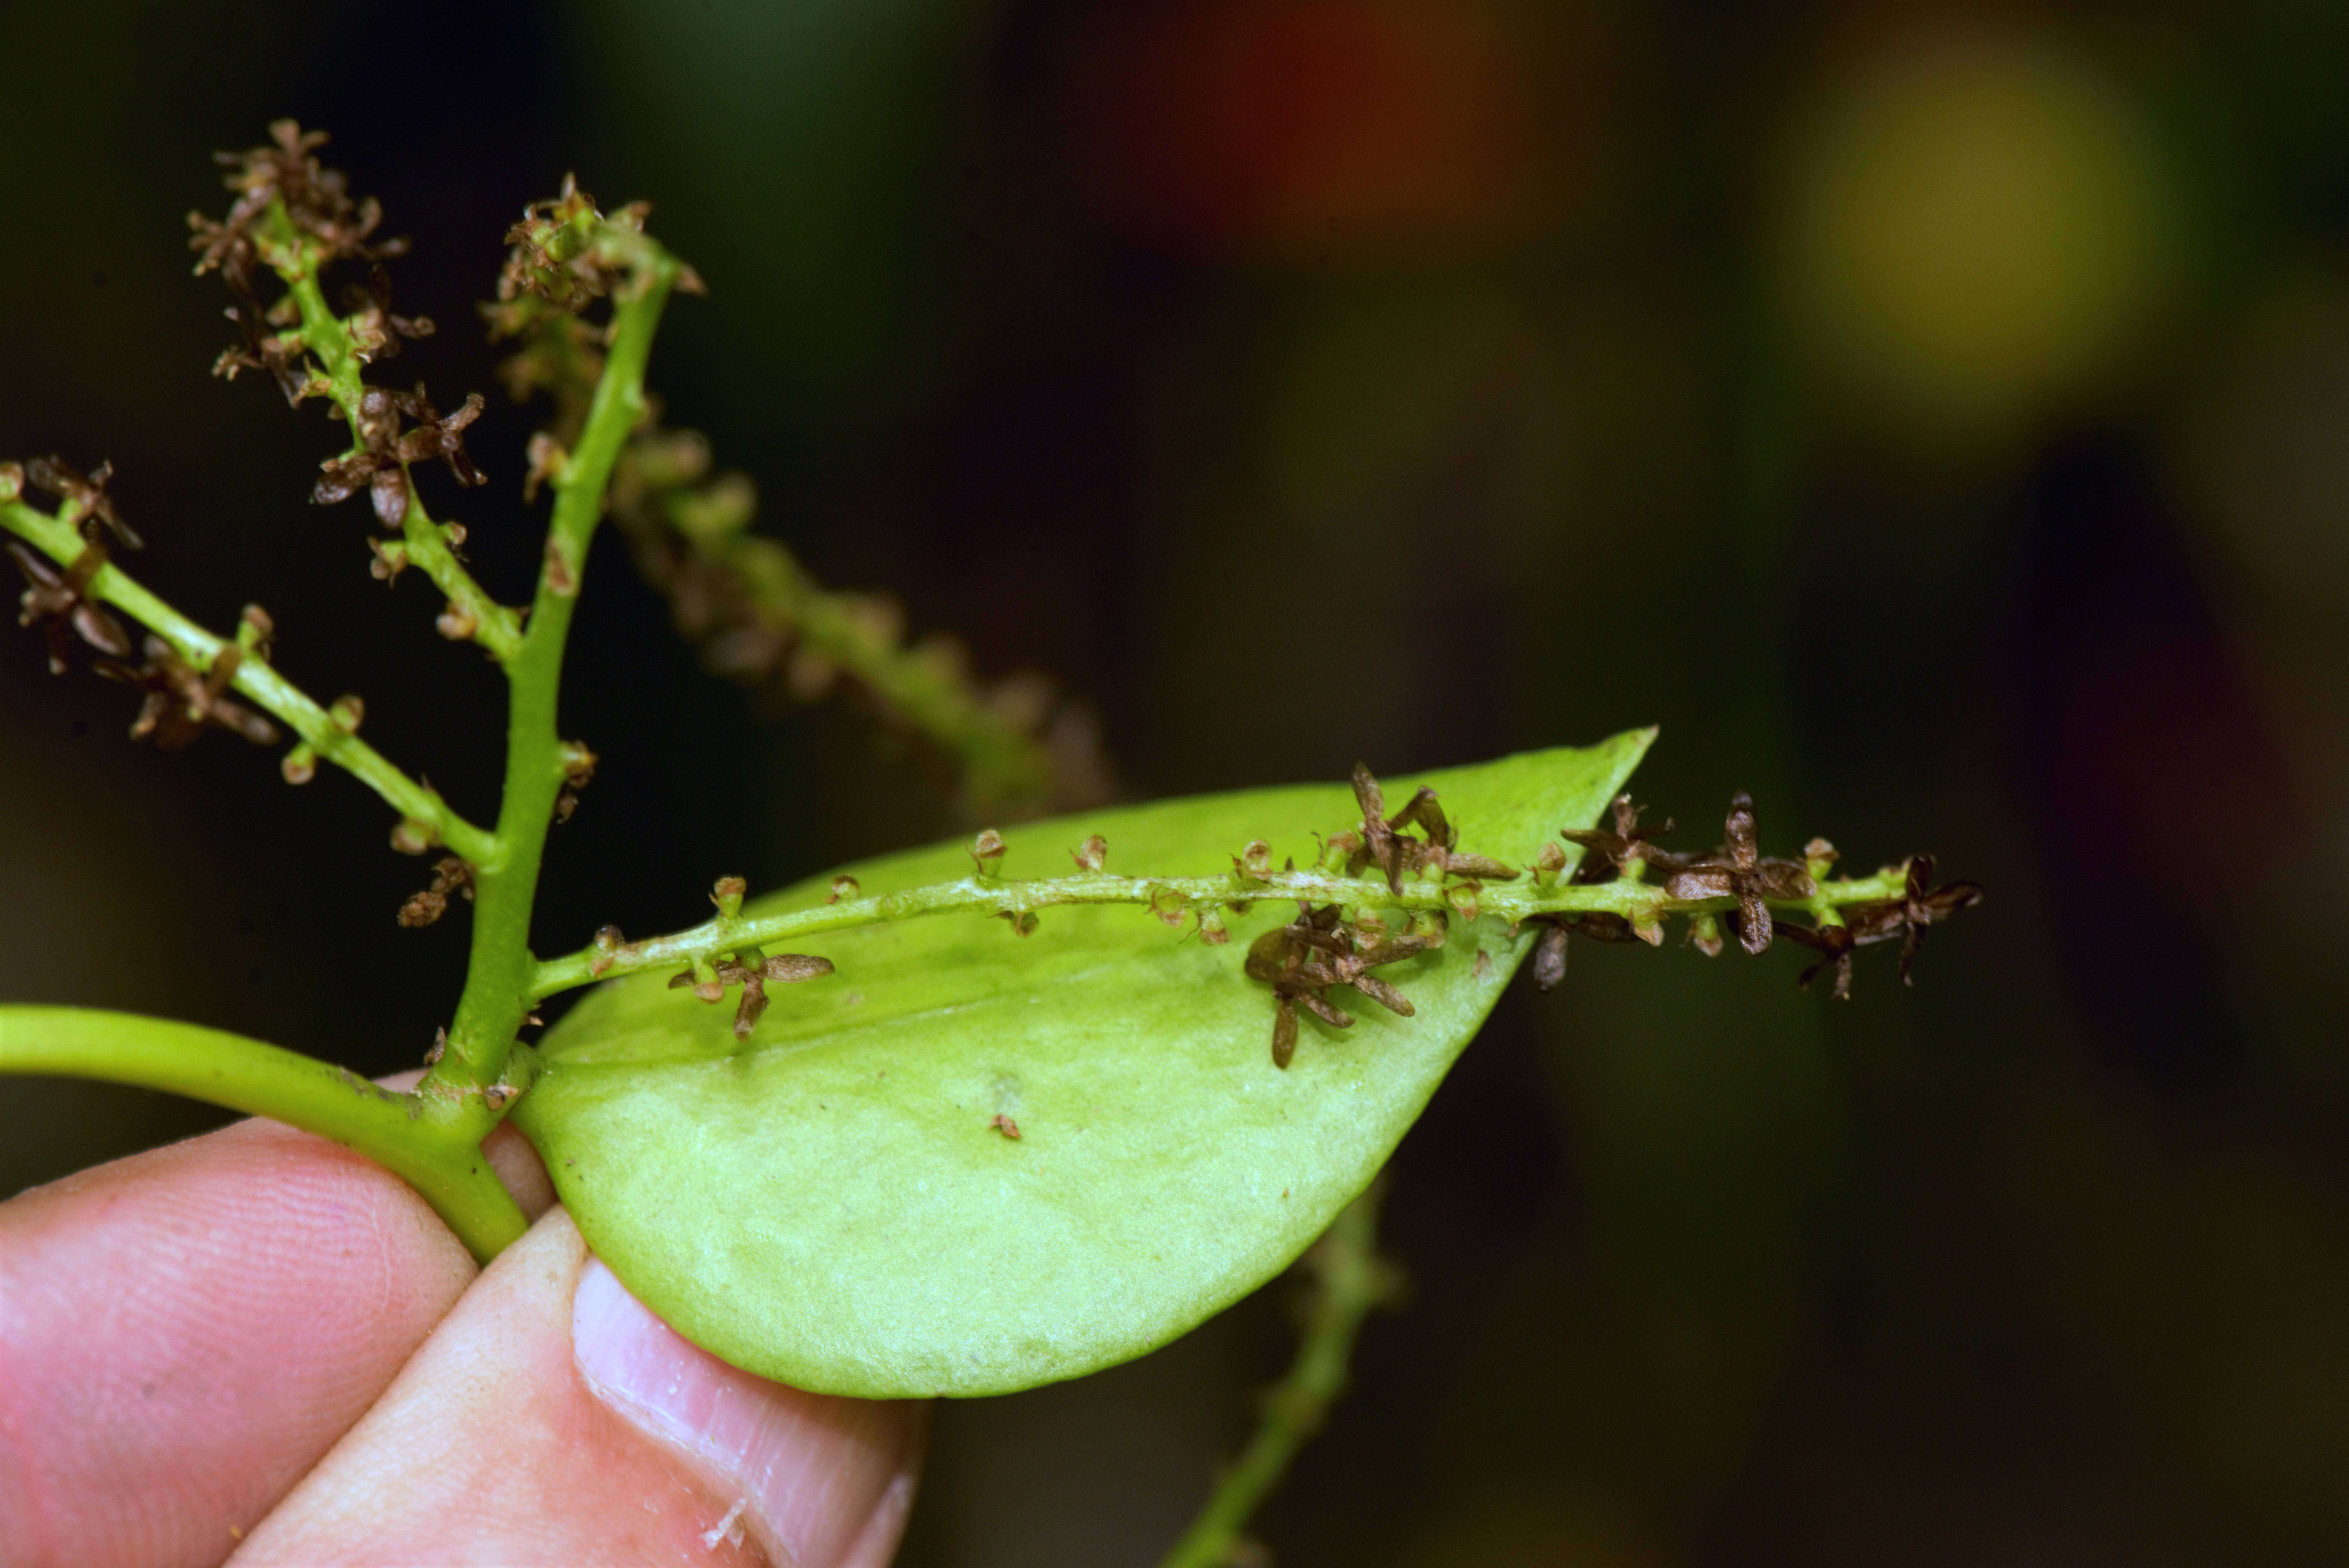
{"points": [[1936, 417]]}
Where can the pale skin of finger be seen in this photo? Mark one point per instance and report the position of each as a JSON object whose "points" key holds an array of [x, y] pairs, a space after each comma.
{"points": [[491, 1448], [184, 1333]]}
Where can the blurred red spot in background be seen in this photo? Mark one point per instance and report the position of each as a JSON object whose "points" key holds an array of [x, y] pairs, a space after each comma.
{"points": [[1307, 130]]}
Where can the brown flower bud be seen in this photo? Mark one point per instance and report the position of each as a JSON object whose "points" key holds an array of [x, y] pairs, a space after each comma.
{"points": [[1550, 958], [842, 886], [1704, 934], [1092, 854], [987, 850], [728, 896]]}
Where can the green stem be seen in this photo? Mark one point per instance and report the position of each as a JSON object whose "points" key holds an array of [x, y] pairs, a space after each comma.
{"points": [[498, 981], [258, 1080], [297, 262], [1350, 1280], [1630, 897], [57, 537]]}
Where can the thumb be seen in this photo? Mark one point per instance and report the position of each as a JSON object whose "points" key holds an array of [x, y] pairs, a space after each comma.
{"points": [[552, 1418], [830, 1480]]}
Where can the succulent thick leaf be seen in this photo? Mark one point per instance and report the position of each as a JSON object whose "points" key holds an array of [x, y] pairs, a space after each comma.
{"points": [[830, 1202]]}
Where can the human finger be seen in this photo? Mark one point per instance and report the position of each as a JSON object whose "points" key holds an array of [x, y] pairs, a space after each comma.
{"points": [[552, 1418], [188, 1330]]}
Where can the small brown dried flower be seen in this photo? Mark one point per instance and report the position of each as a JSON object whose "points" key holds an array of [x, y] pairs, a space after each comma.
{"points": [[782, 968], [84, 495], [1739, 872], [450, 875], [1383, 841], [380, 465], [578, 772], [1920, 905], [1834, 942], [57, 602], [180, 704], [1612, 851], [1302, 960]]}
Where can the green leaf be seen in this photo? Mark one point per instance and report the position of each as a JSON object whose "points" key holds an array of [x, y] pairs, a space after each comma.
{"points": [[829, 1204]]}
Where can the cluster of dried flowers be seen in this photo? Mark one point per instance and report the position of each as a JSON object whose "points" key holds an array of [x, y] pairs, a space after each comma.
{"points": [[1016, 747], [57, 601], [1737, 870], [320, 207], [181, 702], [1322, 948]]}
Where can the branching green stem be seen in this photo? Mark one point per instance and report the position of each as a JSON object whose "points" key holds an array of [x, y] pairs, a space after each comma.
{"points": [[59, 539], [296, 260], [1350, 1280], [431, 1136], [498, 981], [1642, 902], [245, 1074]]}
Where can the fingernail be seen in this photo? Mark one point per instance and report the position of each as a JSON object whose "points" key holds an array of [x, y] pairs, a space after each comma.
{"points": [[818, 1477]]}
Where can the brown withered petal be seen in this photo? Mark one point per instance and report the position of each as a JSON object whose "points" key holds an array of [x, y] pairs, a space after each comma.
{"points": [[1422, 810], [61, 480], [388, 492], [54, 602], [1837, 942], [1320, 1007], [1378, 846], [1626, 841], [1284, 1032]]}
